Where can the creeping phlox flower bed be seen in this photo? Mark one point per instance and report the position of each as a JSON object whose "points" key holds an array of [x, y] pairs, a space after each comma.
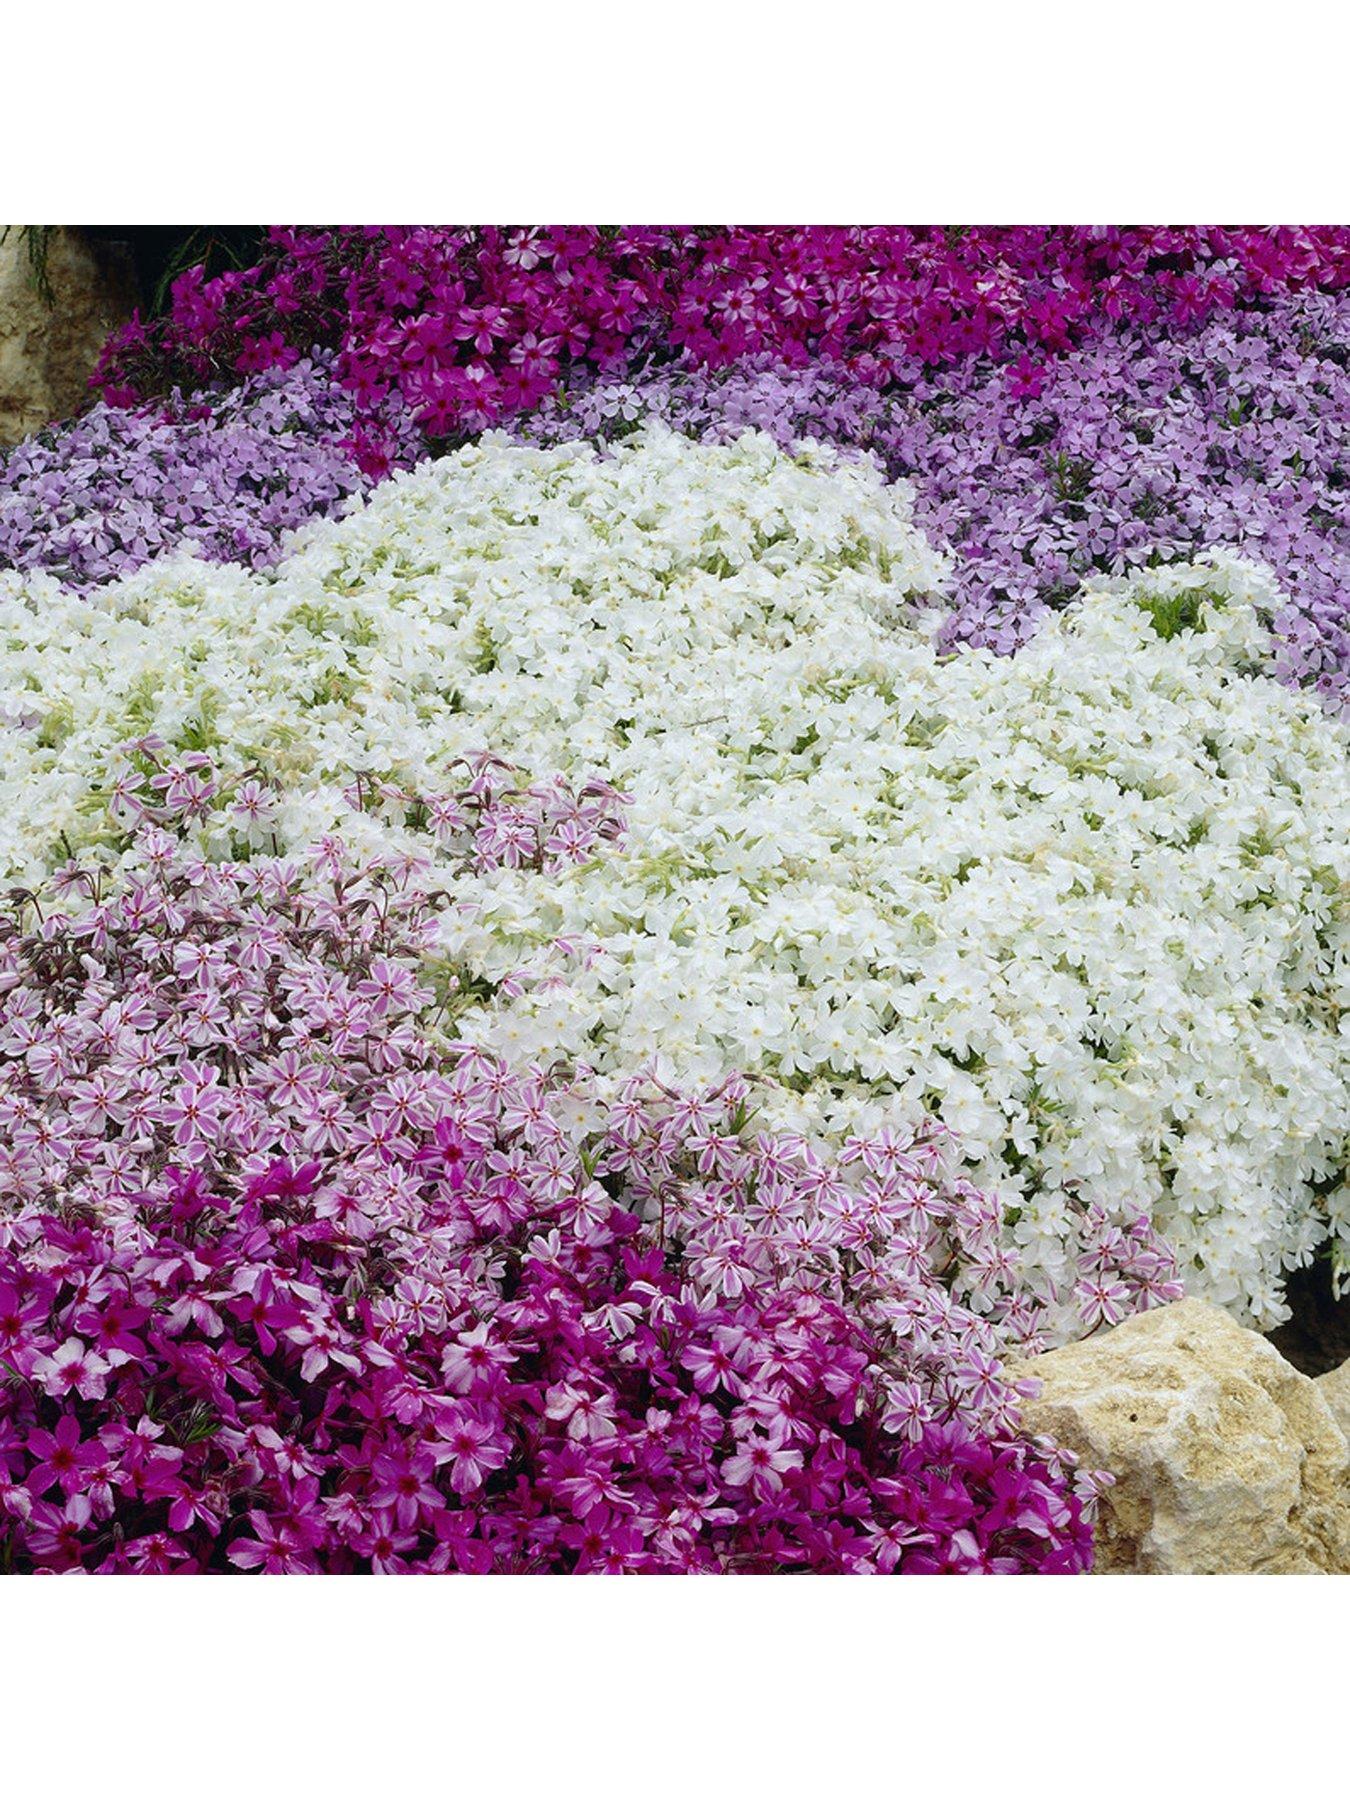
{"points": [[1085, 904], [287, 1284], [634, 860]]}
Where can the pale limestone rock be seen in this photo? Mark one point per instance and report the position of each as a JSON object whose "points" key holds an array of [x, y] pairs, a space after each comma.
{"points": [[1227, 1460], [48, 352], [1335, 1390]]}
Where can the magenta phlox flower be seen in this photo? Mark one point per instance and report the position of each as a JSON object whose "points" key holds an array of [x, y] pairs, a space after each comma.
{"points": [[62, 1458]]}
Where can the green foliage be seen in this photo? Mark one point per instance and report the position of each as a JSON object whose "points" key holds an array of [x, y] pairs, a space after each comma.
{"points": [[1175, 613]]}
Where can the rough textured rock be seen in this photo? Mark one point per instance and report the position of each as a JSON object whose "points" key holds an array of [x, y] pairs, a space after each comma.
{"points": [[1227, 1460], [1335, 1390], [48, 352]]}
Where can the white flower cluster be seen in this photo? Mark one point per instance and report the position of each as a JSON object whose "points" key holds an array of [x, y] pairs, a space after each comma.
{"points": [[1088, 903]]}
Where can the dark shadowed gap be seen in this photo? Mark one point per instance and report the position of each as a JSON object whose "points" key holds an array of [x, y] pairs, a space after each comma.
{"points": [[1317, 1338]]}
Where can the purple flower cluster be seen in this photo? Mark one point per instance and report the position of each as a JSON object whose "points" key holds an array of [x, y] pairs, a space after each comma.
{"points": [[286, 1284], [226, 475], [1142, 445]]}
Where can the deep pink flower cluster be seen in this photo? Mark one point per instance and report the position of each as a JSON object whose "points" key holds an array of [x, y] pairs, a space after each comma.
{"points": [[287, 1282], [469, 326]]}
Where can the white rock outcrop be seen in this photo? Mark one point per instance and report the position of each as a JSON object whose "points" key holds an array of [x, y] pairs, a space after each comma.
{"points": [[48, 348], [1335, 1390], [1226, 1459]]}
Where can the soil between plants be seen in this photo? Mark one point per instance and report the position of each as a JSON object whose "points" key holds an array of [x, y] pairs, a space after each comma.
{"points": [[1317, 1338]]}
